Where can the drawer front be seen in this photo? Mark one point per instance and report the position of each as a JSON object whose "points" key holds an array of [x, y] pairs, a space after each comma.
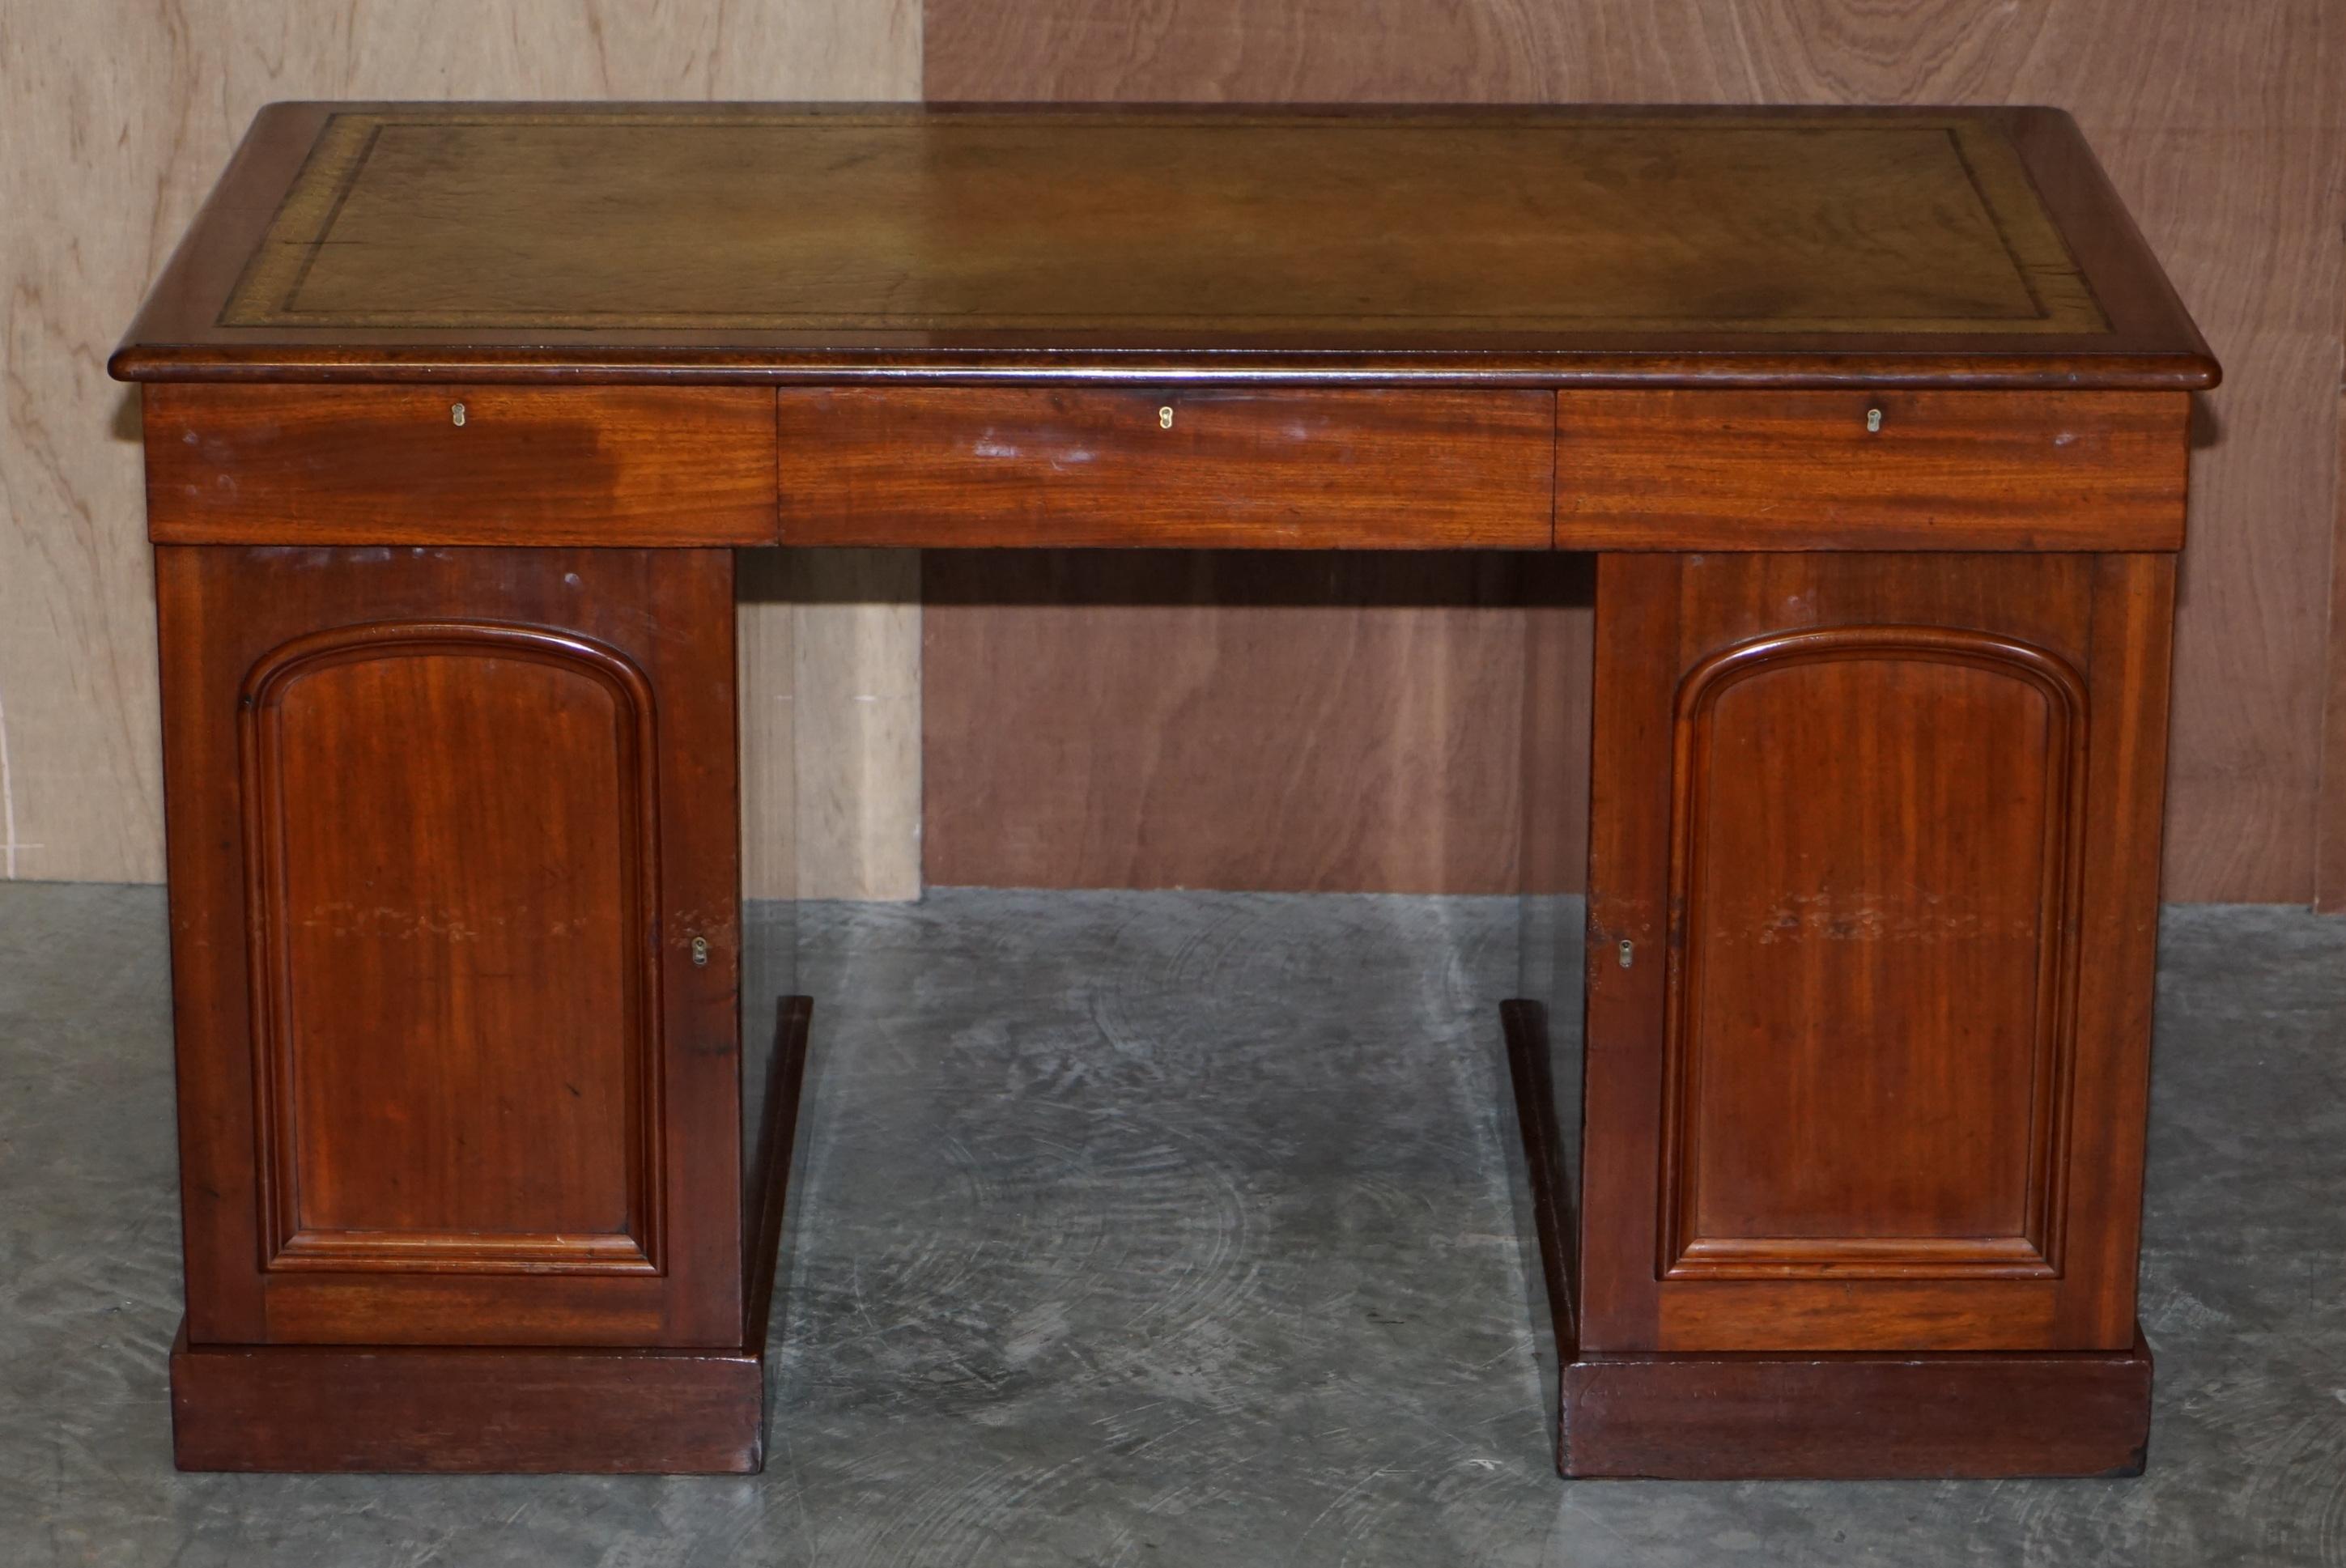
{"points": [[1694, 470], [1306, 470], [460, 465]]}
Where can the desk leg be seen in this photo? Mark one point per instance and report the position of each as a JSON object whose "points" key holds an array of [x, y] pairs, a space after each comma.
{"points": [[1874, 900], [455, 932]]}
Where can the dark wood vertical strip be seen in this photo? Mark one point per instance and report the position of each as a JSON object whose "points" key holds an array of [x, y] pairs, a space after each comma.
{"points": [[2330, 831], [768, 1188], [690, 598], [211, 1012], [2133, 626], [1638, 658], [1530, 1073]]}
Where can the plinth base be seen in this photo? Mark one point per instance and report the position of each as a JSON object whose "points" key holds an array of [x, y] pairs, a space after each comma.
{"points": [[489, 1409], [1754, 1416], [478, 1411], [1851, 1415]]}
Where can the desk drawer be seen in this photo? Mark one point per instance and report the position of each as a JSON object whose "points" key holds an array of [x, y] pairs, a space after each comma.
{"points": [[1697, 470], [310, 464], [1280, 470]]}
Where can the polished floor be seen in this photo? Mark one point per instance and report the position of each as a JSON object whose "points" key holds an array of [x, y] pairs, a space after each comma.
{"points": [[1169, 1228]]}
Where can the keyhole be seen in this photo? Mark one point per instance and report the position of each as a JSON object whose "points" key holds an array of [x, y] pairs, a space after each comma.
{"points": [[456, 414], [1165, 417], [701, 951]]}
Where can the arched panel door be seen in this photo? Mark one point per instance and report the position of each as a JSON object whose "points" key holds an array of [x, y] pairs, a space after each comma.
{"points": [[1876, 835], [452, 837], [446, 826], [1880, 835]]}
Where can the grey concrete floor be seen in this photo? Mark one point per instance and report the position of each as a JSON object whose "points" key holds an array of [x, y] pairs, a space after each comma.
{"points": [[1169, 1228]]}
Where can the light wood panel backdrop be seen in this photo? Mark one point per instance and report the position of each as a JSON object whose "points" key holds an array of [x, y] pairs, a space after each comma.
{"points": [[2224, 125], [115, 118], [1141, 738], [2329, 830]]}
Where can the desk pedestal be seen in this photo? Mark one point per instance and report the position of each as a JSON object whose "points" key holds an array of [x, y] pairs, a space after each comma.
{"points": [[1872, 912], [455, 941]]}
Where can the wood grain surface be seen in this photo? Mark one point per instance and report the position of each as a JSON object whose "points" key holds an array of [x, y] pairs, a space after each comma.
{"points": [[329, 873], [115, 119], [1879, 471], [1939, 1201], [1790, 1417], [459, 464], [1728, 1414], [317, 1408], [1436, 468], [1946, 866], [2222, 127], [830, 723], [1313, 721], [506, 877], [856, 724], [2330, 893]]}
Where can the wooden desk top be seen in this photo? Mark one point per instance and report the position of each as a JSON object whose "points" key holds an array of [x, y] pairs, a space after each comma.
{"points": [[1562, 247]]}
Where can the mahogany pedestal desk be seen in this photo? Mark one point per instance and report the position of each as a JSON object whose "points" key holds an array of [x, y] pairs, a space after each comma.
{"points": [[1875, 422]]}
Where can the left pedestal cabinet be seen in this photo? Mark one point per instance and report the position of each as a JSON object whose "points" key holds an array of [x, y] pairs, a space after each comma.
{"points": [[454, 917]]}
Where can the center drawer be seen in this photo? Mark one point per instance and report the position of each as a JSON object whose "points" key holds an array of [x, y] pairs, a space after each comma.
{"points": [[944, 466]]}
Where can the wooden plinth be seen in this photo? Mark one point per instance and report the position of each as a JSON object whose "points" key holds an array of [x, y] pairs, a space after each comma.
{"points": [[423, 1409], [477, 1410], [1756, 1416], [1761, 1415]]}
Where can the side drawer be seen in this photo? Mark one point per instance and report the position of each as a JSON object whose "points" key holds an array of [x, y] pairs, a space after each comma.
{"points": [[1282, 470], [1697, 470], [312, 464]]}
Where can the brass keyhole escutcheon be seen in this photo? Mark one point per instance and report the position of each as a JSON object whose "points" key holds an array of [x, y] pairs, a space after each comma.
{"points": [[456, 414], [1165, 417], [1873, 421], [700, 953]]}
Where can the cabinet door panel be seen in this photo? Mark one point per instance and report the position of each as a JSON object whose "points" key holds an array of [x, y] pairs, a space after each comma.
{"points": [[1866, 823], [445, 824], [453, 842], [1874, 837]]}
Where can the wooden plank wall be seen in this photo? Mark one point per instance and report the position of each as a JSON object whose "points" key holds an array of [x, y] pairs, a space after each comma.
{"points": [[1223, 719], [2329, 830], [2224, 127], [1139, 737], [115, 118]]}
